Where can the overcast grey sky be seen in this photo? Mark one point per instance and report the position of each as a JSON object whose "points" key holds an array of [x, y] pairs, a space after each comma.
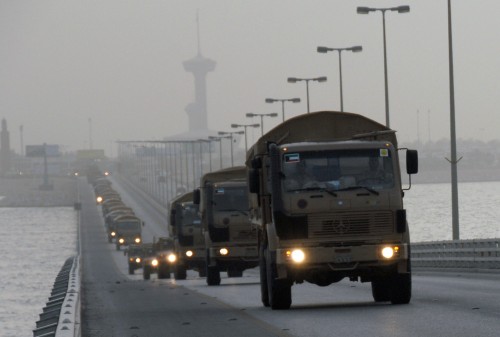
{"points": [[119, 63]]}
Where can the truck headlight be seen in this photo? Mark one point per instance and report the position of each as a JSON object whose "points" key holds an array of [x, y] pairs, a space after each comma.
{"points": [[99, 199], [389, 252], [138, 260], [171, 258], [154, 263], [137, 240], [189, 253], [296, 255], [121, 240], [223, 251], [113, 233]]}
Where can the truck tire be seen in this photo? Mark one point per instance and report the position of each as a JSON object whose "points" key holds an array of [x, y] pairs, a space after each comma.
{"points": [[264, 293], [202, 271], [146, 273], [180, 272], [213, 276], [130, 269], [163, 271], [381, 290], [234, 272], [117, 246], [213, 273], [279, 291], [401, 288]]}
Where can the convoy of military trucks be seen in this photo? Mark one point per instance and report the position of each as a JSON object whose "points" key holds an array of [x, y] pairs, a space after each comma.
{"points": [[320, 199]]}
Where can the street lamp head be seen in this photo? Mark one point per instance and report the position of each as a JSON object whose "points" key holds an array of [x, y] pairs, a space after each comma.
{"points": [[273, 114], [292, 80], [295, 100], [356, 49], [239, 132], [250, 114], [321, 79], [255, 125], [322, 49], [270, 100], [403, 9], [222, 133], [235, 125], [363, 10]]}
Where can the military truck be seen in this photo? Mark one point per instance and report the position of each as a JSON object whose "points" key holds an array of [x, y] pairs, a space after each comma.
{"points": [[230, 239], [135, 254], [160, 260], [327, 199], [189, 241], [128, 230]]}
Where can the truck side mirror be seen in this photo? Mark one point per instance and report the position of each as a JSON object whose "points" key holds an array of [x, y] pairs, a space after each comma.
{"points": [[196, 196], [253, 180], [411, 161]]}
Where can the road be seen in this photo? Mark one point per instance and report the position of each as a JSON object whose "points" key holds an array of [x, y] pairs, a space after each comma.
{"points": [[118, 304]]}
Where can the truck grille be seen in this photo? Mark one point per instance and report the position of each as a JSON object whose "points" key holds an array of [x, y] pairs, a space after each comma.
{"points": [[347, 225]]}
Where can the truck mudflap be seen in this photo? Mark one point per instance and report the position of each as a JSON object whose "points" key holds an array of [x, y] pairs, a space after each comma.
{"points": [[342, 258]]}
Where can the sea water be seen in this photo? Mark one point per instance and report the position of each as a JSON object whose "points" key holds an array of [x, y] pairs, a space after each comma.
{"points": [[34, 244]]}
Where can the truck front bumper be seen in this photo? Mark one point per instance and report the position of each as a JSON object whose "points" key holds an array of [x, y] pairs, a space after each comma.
{"points": [[341, 258]]}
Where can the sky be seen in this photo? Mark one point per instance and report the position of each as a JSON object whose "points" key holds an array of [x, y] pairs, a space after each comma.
{"points": [[85, 74]]}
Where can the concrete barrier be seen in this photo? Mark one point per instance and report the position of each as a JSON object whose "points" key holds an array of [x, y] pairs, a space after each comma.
{"points": [[61, 315], [481, 254]]}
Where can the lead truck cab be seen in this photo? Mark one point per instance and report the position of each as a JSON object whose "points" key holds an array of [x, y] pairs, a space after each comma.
{"points": [[327, 199]]}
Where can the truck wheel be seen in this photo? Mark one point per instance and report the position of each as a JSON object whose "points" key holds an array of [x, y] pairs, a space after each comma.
{"points": [[381, 290], [163, 271], [117, 246], [279, 291], [234, 272], [180, 272], [202, 271], [264, 293], [213, 273], [401, 289], [130, 269], [213, 276], [146, 273]]}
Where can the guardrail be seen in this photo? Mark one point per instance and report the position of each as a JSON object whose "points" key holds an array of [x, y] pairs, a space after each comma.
{"points": [[60, 316], [481, 254]]}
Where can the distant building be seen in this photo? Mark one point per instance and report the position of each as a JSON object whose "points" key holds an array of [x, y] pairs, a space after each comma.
{"points": [[5, 156]]}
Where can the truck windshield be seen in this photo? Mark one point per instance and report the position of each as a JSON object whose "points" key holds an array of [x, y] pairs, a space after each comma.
{"points": [[230, 199], [133, 225], [190, 215], [338, 170]]}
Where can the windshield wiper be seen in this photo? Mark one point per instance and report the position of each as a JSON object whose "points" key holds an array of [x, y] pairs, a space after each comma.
{"points": [[356, 187], [232, 210], [315, 188]]}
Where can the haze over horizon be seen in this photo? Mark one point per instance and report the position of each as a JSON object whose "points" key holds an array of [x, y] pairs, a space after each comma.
{"points": [[118, 64]]}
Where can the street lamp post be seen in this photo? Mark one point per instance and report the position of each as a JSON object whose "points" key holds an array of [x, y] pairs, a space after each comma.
{"points": [[307, 80], [283, 100], [354, 49], [245, 132], [251, 114], [399, 9], [219, 139], [231, 139]]}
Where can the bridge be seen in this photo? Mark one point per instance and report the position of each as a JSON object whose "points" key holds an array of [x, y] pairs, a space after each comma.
{"points": [[456, 288]]}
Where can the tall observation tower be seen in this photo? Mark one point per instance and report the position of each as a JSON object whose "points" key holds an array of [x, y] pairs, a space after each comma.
{"points": [[199, 66]]}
